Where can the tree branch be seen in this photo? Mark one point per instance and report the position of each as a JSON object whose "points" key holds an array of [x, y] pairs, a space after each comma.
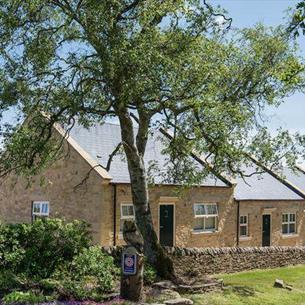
{"points": [[129, 7], [211, 10], [112, 155]]}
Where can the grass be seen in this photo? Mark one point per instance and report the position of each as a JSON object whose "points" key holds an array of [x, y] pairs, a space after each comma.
{"points": [[256, 288]]}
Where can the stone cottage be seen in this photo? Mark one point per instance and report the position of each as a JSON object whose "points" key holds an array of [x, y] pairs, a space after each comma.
{"points": [[264, 210], [271, 209]]}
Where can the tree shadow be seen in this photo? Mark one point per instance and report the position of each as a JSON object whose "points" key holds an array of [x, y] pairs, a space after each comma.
{"points": [[243, 291]]}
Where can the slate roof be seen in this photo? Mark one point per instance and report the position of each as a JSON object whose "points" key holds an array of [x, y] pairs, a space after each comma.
{"points": [[296, 177], [263, 187], [100, 141]]}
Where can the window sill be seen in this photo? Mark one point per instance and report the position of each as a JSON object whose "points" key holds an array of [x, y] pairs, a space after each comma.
{"points": [[204, 232], [294, 235], [245, 238]]}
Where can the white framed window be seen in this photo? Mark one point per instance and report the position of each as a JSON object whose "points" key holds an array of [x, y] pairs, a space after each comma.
{"points": [[40, 209], [127, 213], [289, 223], [243, 225], [206, 217]]}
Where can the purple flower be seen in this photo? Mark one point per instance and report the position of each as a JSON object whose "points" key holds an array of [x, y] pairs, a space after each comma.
{"points": [[114, 301]]}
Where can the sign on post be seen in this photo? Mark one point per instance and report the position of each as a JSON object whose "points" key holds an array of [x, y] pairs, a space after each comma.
{"points": [[129, 261], [132, 274]]}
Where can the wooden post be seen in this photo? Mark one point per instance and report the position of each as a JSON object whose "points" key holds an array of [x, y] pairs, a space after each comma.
{"points": [[132, 274], [132, 264]]}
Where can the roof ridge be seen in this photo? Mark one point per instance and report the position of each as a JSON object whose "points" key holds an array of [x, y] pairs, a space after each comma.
{"points": [[284, 181]]}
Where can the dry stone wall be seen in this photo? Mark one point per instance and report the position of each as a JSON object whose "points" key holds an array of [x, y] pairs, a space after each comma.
{"points": [[228, 260]]}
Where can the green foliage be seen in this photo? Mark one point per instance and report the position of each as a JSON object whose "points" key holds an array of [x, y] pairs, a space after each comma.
{"points": [[92, 262], [49, 285], [104, 59], [297, 24], [170, 63], [90, 274], [11, 253], [19, 297], [35, 250], [150, 273], [9, 280], [53, 256]]}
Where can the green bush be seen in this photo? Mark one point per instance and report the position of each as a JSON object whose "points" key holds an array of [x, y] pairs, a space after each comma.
{"points": [[19, 297], [85, 289], [11, 252], [55, 258], [91, 274], [9, 280], [37, 249], [150, 273], [94, 262]]}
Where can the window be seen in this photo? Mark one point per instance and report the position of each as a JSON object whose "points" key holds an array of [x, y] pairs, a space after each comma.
{"points": [[40, 209], [243, 225], [127, 212], [206, 217], [289, 223]]}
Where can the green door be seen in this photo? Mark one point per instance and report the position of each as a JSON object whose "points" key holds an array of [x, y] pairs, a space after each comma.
{"points": [[266, 240], [166, 232]]}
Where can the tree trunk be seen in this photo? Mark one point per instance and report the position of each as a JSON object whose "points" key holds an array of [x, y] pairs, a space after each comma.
{"points": [[139, 188]]}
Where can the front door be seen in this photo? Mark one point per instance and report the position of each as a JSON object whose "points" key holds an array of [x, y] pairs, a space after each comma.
{"points": [[266, 230], [166, 231]]}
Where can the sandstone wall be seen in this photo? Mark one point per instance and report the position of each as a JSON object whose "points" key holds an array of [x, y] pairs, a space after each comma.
{"points": [[255, 209], [57, 185], [183, 201]]}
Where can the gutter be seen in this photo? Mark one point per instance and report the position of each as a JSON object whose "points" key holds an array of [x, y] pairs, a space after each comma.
{"points": [[114, 213], [237, 224]]}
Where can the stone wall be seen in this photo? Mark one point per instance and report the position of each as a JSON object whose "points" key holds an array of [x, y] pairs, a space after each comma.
{"points": [[197, 261], [230, 260]]}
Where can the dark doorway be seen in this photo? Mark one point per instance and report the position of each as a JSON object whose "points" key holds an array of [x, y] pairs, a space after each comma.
{"points": [[266, 230], [167, 225]]}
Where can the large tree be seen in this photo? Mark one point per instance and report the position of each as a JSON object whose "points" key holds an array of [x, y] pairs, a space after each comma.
{"points": [[168, 64]]}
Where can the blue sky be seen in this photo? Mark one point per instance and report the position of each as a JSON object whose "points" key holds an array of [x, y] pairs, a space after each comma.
{"points": [[245, 13], [291, 114]]}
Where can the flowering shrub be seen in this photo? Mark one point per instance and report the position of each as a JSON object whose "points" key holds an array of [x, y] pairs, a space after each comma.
{"points": [[21, 298]]}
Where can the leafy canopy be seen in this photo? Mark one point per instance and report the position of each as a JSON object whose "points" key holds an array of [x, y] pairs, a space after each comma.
{"points": [[297, 24], [170, 63]]}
